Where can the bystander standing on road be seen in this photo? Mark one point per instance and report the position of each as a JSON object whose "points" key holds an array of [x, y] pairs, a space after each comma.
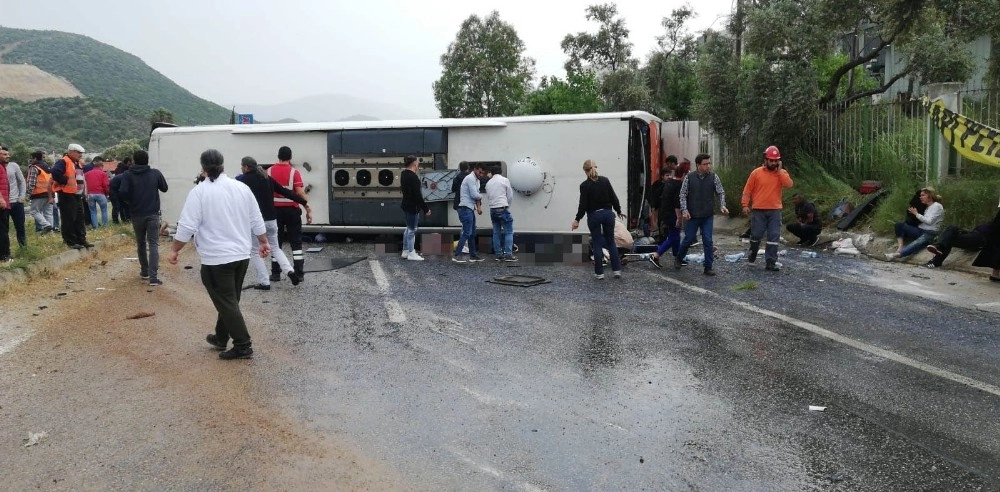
{"points": [[39, 176], [140, 189], [762, 202], [264, 187], [69, 185], [808, 225], [98, 190], [499, 195], [18, 193], [698, 194], [670, 214], [413, 205], [470, 204], [599, 201], [119, 210], [4, 210], [224, 216], [288, 213]]}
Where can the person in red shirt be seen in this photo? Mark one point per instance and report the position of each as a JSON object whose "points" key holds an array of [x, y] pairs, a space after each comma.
{"points": [[98, 190], [289, 215], [762, 194]]}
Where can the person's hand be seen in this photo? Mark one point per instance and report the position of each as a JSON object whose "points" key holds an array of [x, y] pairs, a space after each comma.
{"points": [[172, 257], [677, 223], [573, 225], [265, 250], [309, 216], [686, 215], [3, 204], [427, 213], [725, 211], [479, 210], [912, 211], [746, 210]]}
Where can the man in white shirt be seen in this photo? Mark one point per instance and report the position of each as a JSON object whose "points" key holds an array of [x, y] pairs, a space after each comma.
{"points": [[499, 195], [224, 215]]}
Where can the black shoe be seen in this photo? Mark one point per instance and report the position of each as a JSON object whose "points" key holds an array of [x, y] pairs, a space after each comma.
{"points": [[76, 246], [709, 272], [752, 252], [678, 263], [684, 262], [655, 261], [262, 287], [772, 266], [810, 242], [214, 341], [294, 277], [237, 353], [89, 245], [275, 277]]}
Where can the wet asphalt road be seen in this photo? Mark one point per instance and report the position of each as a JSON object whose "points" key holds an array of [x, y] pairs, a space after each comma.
{"points": [[645, 383]]}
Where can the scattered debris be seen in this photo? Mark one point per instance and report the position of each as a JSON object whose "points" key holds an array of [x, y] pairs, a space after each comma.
{"points": [[314, 250], [188, 267], [917, 275], [131, 258], [844, 247], [748, 285], [814, 408], [518, 280], [103, 288], [733, 258], [140, 314], [35, 437], [43, 306]]}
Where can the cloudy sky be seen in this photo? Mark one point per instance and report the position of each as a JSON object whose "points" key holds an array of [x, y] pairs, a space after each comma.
{"points": [[237, 52]]}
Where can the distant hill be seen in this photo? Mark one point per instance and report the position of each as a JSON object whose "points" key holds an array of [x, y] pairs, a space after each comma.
{"points": [[115, 92], [328, 107]]}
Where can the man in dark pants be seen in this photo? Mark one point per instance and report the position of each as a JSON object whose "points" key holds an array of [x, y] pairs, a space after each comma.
{"points": [[952, 237], [223, 213], [698, 194], [68, 183], [456, 184], [140, 190], [288, 214], [4, 211], [809, 226]]}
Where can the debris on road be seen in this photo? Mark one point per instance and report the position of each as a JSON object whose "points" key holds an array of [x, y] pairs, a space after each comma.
{"points": [[141, 314], [34, 438], [814, 408]]}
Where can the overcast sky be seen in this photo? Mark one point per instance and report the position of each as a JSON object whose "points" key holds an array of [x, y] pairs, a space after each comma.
{"points": [[236, 52]]}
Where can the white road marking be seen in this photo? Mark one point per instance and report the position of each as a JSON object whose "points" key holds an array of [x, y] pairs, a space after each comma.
{"points": [[871, 349], [491, 400], [494, 472], [392, 308]]}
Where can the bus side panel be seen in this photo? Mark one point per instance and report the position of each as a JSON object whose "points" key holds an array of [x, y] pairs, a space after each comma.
{"points": [[176, 155], [364, 173], [559, 148]]}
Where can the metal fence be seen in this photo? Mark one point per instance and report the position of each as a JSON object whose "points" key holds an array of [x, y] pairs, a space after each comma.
{"points": [[869, 140]]}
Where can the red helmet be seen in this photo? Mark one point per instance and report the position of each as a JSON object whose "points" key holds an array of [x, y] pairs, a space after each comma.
{"points": [[772, 153]]}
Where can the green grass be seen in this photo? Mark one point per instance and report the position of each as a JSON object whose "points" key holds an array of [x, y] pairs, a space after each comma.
{"points": [[43, 246], [744, 286]]}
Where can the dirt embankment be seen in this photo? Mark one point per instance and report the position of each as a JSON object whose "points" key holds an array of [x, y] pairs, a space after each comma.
{"points": [[145, 404]]}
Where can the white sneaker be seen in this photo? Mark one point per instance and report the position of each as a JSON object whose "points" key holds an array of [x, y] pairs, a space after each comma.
{"points": [[413, 256], [405, 254], [891, 256]]}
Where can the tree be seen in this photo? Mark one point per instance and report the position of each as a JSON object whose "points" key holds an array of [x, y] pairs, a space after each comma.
{"points": [[485, 72], [122, 149], [161, 116], [607, 50], [579, 93], [670, 70]]}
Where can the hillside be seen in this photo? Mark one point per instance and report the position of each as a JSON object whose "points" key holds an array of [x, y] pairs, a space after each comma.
{"points": [[119, 92]]}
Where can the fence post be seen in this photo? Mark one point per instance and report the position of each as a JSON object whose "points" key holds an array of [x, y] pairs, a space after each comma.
{"points": [[938, 150]]}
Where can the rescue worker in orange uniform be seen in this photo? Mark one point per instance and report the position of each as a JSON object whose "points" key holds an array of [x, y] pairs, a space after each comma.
{"points": [[762, 201]]}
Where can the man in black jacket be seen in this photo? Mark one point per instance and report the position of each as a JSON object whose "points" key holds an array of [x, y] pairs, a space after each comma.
{"points": [[140, 190], [413, 203]]}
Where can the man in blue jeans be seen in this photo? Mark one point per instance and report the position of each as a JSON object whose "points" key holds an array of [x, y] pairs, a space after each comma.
{"points": [[698, 194], [498, 196], [140, 190], [469, 205]]}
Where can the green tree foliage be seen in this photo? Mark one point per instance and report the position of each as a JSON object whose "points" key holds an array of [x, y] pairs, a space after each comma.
{"points": [[51, 124], [122, 149], [579, 93], [607, 50], [626, 90], [670, 71], [485, 72], [161, 115]]}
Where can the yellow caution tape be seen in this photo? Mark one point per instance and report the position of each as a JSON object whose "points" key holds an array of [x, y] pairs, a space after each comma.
{"points": [[975, 141]]}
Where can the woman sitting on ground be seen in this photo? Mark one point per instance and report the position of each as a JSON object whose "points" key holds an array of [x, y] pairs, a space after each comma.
{"points": [[923, 234]]}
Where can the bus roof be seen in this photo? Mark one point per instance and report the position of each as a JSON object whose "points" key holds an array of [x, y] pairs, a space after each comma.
{"points": [[387, 124]]}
